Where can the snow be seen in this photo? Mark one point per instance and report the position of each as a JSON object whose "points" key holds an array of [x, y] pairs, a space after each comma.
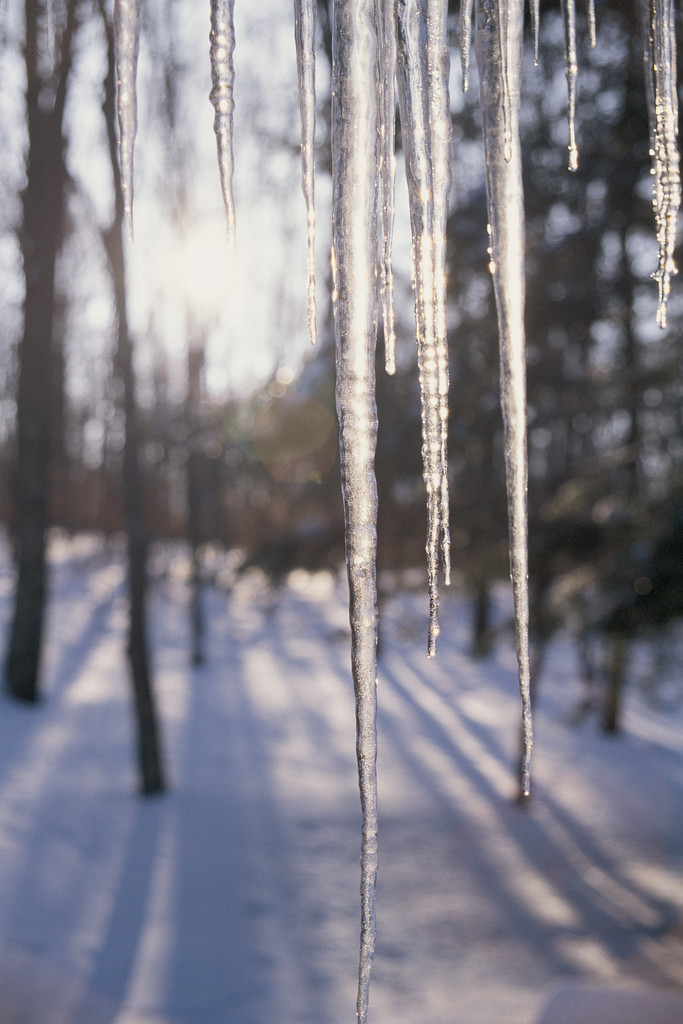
{"points": [[233, 898]]}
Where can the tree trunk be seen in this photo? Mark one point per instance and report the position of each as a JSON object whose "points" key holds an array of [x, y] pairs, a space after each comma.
{"points": [[481, 621], [148, 736], [41, 237], [611, 721], [194, 501]]}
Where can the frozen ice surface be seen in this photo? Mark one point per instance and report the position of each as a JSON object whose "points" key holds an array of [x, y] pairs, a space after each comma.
{"points": [[499, 57], [355, 159], [304, 33], [387, 174], [418, 97], [221, 49], [660, 78], [127, 43], [571, 63]]}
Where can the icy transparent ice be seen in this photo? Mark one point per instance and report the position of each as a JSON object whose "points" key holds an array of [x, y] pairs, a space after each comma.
{"points": [[355, 156], [304, 33], [571, 63], [465, 41], [440, 120], [221, 47], [417, 98], [499, 57], [387, 73], [127, 42], [660, 78]]}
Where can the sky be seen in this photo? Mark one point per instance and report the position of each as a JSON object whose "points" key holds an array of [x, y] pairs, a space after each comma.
{"points": [[248, 305]]}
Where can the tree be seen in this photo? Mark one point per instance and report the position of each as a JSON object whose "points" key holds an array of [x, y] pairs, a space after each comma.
{"points": [[149, 743], [41, 236]]}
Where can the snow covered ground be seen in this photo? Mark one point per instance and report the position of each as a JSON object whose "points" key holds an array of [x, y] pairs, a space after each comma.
{"points": [[234, 899]]}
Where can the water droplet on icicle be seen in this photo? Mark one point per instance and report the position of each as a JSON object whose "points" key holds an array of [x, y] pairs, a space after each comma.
{"points": [[127, 44], [506, 219], [304, 32], [221, 48], [662, 101]]}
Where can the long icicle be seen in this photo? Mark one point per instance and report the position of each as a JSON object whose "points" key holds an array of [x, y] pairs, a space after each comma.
{"points": [[304, 32], [127, 44], [221, 47], [535, 6], [387, 169], [413, 79], [355, 160], [506, 218], [572, 68], [662, 102], [592, 27], [440, 121]]}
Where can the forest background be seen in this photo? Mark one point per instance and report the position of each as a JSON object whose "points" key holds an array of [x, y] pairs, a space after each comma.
{"points": [[166, 387]]}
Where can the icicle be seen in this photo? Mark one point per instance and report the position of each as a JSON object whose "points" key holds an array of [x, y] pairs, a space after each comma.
{"points": [[304, 31], [440, 123], [127, 42], [355, 161], [660, 79], [535, 24], [569, 18], [222, 45], [592, 30], [49, 30], [465, 41], [414, 97], [387, 173], [506, 217]]}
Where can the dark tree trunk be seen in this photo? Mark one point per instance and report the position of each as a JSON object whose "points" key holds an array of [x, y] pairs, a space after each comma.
{"points": [[148, 735], [194, 502], [481, 621], [611, 721], [41, 237], [197, 606]]}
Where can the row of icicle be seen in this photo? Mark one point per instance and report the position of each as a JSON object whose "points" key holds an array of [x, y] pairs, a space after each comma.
{"points": [[381, 49]]}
